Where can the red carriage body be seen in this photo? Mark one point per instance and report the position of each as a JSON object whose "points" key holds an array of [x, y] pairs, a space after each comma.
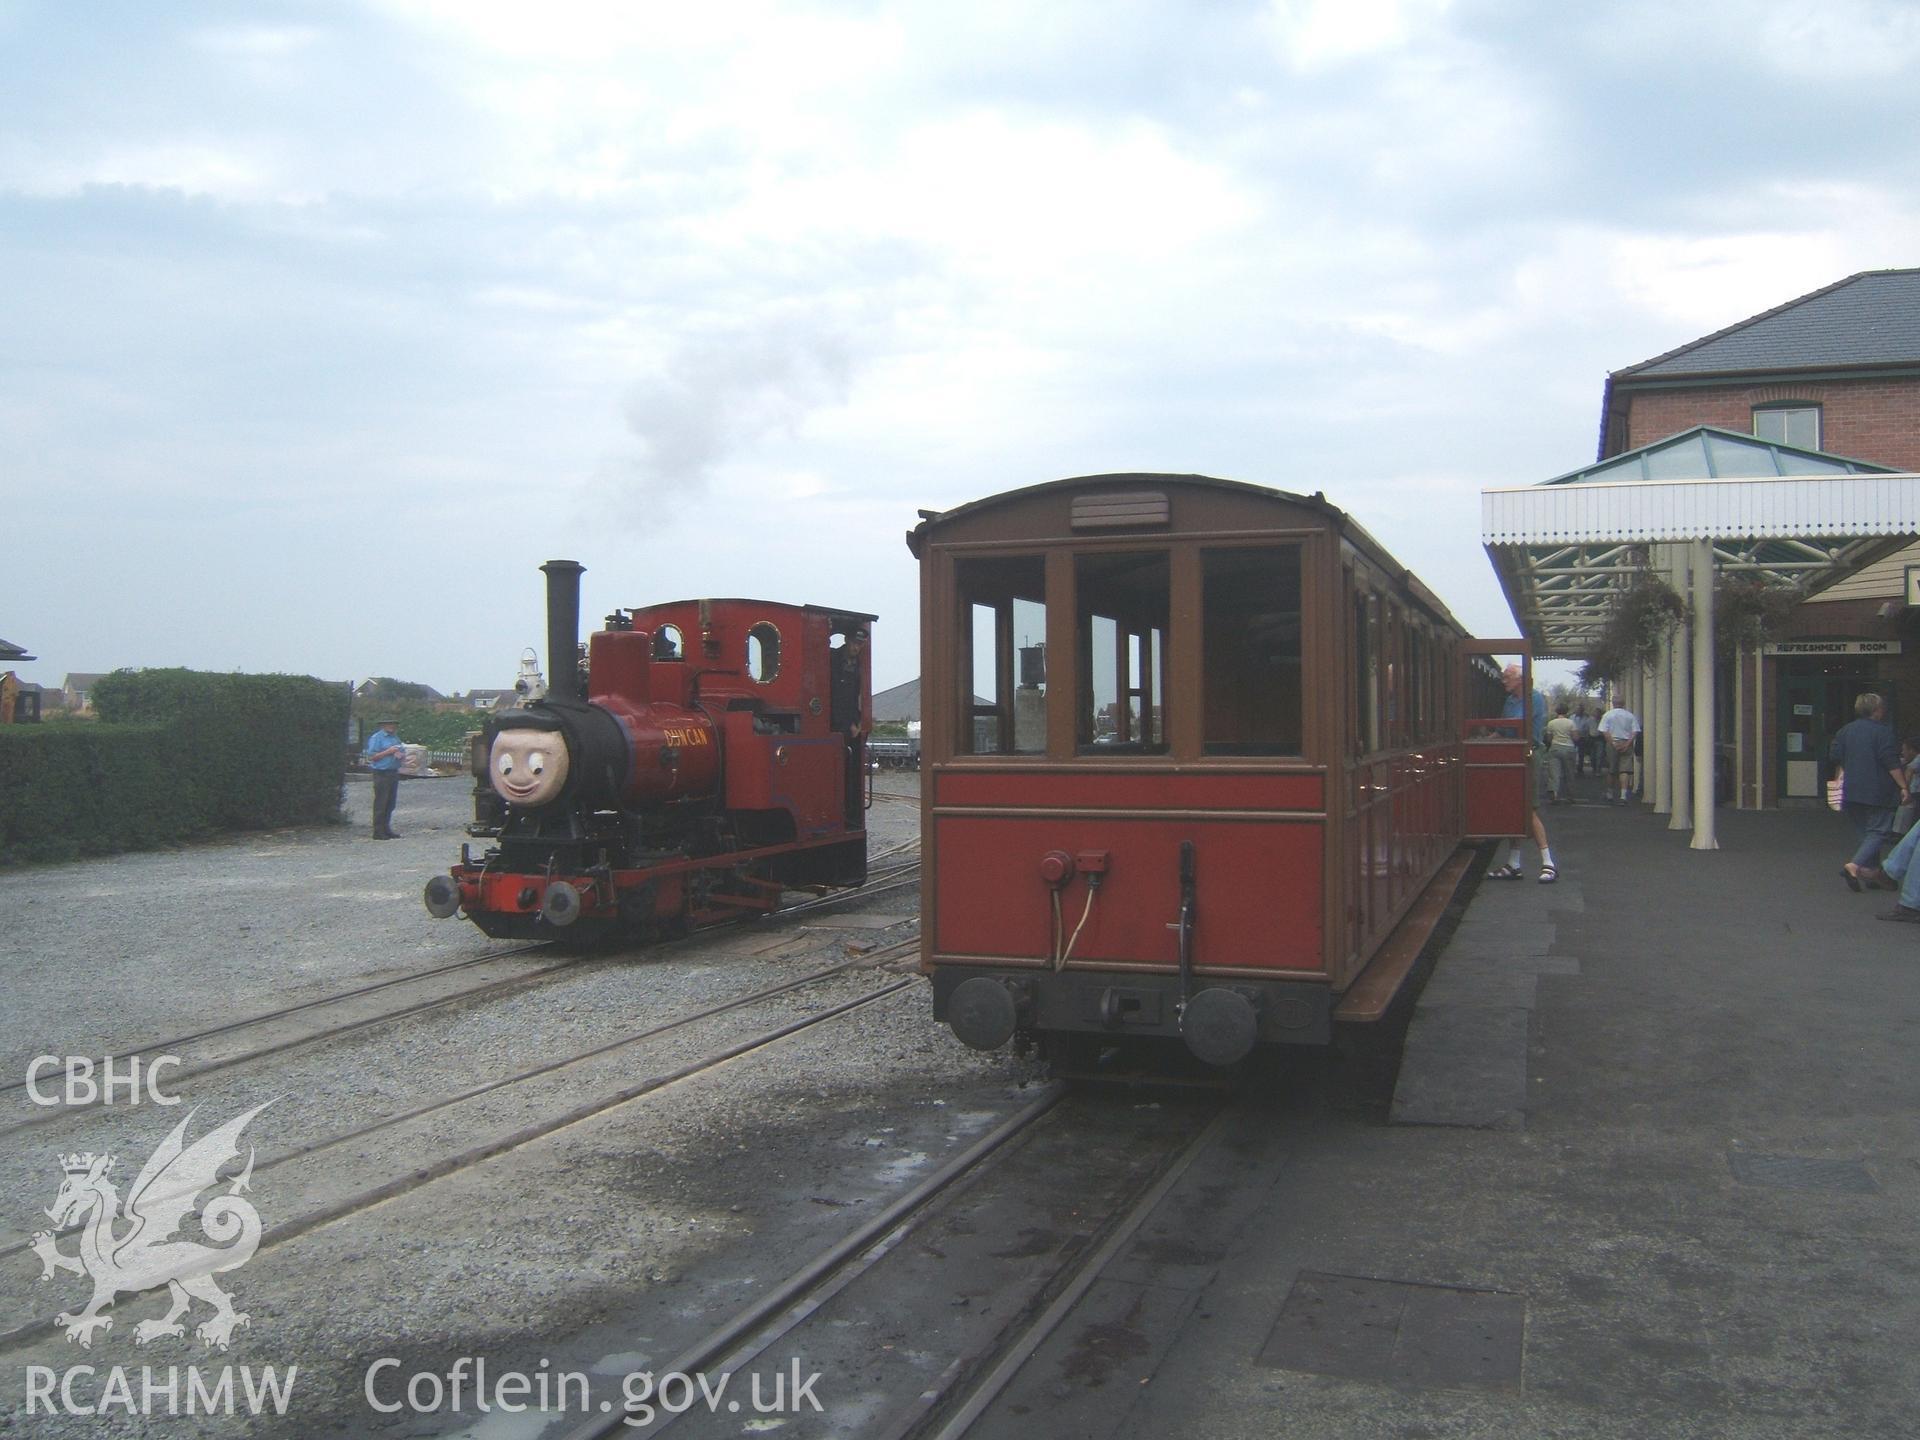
{"points": [[1193, 753]]}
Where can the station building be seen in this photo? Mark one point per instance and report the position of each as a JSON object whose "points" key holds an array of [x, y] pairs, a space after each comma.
{"points": [[1835, 373], [1823, 388]]}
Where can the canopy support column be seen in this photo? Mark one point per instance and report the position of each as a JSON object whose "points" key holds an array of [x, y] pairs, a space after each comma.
{"points": [[1680, 713], [1704, 767], [1739, 731], [1652, 763], [1658, 728]]}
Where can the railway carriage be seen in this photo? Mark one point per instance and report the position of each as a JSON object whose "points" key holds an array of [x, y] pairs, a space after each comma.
{"points": [[1196, 761]]}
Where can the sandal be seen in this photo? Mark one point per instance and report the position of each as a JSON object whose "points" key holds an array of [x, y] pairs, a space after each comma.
{"points": [[1548, 874], [1504, 872]]}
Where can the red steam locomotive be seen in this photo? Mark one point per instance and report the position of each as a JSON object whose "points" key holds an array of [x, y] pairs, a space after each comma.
{"points": [[712, 754], [1199, 758]]}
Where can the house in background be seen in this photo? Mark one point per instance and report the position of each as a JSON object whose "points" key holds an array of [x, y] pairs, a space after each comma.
{"points": [[79, 690], [489, 699], [19, 699], [1835, 377], [385, 687]]}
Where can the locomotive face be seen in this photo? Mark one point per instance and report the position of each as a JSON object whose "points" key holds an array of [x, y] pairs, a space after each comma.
{"points": [[528, 767]]}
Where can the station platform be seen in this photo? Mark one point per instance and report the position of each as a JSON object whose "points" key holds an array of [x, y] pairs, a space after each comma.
{"points": [[1648, 1166]]}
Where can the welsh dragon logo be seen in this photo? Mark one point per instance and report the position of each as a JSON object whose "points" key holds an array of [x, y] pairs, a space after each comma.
{"points": [[139, 1246]]}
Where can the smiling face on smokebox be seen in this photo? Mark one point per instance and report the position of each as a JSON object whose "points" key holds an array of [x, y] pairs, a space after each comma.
{"points": [[528, 767]]}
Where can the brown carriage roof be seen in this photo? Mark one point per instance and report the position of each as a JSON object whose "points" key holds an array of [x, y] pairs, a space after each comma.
{"points": [[1351, 528]]}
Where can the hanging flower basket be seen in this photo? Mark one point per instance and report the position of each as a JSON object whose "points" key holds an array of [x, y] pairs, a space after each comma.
{"points": [[1749, 612], [1638, 632]]}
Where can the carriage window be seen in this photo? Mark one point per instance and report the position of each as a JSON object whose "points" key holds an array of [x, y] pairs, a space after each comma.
{"points": [[763, 652], [1250, 638], [1366, 671], [1392, 635], [1121, 640], [1003, 662], [1417, 700]]}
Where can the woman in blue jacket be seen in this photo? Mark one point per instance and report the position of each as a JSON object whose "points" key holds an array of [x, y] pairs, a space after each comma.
{"points": [[1873, 784]]}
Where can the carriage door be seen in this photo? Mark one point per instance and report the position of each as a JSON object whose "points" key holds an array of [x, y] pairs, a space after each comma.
{"points": [[1498, 744]]}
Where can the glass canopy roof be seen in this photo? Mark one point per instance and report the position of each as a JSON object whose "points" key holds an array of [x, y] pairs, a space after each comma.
{"points": [[1564, 556]]}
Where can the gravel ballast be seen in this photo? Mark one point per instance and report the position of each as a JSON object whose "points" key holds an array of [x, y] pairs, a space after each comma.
{"points": [[591, 1246]]}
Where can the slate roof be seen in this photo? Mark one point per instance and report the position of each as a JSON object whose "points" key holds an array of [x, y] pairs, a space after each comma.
{"points": [[902, 702], [1872, 318], [368, 686], [10, 652]]}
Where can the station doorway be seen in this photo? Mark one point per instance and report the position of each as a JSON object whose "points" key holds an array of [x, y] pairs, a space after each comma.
{"points": [[1816, 699]]}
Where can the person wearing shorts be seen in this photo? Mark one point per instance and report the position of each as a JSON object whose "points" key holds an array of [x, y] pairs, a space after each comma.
{"points": [[1618, 727]]}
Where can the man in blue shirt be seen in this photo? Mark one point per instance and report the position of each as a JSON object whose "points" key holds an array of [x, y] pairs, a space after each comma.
{"points": [[1506, 855], [384, 752], [1511, 709]]}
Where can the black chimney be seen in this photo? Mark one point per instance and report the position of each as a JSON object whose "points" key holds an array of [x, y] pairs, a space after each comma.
{"points": [[563, 629]]}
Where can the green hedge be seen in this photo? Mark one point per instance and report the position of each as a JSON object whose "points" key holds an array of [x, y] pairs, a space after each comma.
{"points": [[420, 723], [176, 755]]}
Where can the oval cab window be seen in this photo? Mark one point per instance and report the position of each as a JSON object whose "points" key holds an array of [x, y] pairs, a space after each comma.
{"points": [[763, 652]]}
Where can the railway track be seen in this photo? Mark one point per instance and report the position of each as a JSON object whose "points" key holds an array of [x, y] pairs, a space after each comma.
{"points": [[343, 1206], [897, 878], [914, 1270], [268, 1016]]}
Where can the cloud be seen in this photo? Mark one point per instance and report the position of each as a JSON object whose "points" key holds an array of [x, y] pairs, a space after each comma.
{"points": [[259, 41], [719, 395], [1315, 34], [485, 266]]}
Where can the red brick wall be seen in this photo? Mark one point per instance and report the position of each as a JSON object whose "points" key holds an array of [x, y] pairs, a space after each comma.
{"points": [[1877, 420]]}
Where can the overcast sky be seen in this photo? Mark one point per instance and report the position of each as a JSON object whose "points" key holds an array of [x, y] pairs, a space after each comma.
{"points": [[321, 326]]}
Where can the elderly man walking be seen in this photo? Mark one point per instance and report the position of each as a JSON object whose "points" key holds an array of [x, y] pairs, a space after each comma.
{"points": [[1506, 856]]}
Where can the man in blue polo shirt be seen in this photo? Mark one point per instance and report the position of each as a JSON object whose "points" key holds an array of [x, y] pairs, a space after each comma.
{"points": [[1513, 707], [384, 752], [1506, 855]]}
